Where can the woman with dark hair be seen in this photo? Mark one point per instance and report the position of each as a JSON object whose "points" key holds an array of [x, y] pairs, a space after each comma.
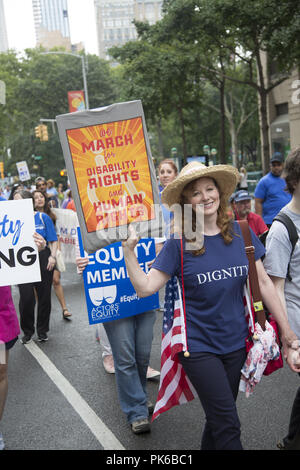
{"points": [[42, 205], [216, 327], [16, 187], [45, 227]]}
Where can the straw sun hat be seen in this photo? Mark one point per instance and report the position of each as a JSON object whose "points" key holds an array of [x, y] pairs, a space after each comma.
{"points": [[226, 177]]}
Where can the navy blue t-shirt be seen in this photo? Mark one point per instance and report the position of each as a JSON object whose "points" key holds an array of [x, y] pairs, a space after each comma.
{"points": [[213, 285]]}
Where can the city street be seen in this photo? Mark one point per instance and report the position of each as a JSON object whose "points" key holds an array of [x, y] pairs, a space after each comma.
{"points": [[60, 397]]}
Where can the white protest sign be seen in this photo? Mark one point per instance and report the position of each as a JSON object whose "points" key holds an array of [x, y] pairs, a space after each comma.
{"points": [[19, 260], [66, 228], [23, 171]]}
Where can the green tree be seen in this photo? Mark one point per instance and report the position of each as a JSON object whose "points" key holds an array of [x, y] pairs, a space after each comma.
{"points": [[38, 89], [246, 30], [10, 74], [164, 76]]}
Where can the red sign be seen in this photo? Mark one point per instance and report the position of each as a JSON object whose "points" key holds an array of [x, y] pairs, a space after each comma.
{"points": [[76, 101]]}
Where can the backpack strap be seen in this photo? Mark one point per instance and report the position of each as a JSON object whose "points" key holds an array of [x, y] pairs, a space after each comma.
{"points": [[293, 235]]}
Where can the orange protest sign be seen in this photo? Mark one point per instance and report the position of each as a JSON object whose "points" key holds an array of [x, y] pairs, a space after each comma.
{"points": [[112, 173]]}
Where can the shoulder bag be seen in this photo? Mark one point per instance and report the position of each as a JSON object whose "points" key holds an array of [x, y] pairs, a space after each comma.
{"points": [[60, 264], [258, 310]]}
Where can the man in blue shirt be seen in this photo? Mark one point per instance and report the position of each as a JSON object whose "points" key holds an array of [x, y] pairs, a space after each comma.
{"points": [[269, 194]]}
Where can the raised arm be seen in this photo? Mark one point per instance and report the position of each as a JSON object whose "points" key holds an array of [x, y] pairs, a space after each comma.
{"points": [[144, 284]]}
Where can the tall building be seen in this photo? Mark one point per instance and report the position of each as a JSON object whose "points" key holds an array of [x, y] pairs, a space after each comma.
{"points": [[284, 114], [148, 10], [114, 20], [3, 32], [283, 108], [51, 22]]}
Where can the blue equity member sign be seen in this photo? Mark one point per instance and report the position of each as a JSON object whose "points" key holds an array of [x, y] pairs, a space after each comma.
{"points": [[108, 290]]}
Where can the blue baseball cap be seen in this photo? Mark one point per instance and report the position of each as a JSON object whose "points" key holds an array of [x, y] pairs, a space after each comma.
{"points": [[277, 157], [241, 195]]}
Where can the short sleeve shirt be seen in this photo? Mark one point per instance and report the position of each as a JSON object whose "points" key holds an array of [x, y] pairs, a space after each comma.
{"points": [[278, 256], [45, 227], [257, 224], [270, 189], [213, 285]]}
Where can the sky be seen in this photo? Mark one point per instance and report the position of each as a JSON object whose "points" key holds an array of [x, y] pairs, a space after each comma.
{"points": [[20, 26]]}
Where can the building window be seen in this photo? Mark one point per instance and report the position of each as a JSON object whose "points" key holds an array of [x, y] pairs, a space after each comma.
{"points": [[282, 108]]}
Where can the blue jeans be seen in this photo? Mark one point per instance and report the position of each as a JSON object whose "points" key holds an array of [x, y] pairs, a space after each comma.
{"points": [[131, 340]]}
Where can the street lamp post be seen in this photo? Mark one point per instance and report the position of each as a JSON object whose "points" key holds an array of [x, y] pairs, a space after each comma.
{"points": [[214, 153], [83, 72]]}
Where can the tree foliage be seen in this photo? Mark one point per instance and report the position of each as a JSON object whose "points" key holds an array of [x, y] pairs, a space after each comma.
{"points": [[37, 88], [198, 72], [244, 30]]}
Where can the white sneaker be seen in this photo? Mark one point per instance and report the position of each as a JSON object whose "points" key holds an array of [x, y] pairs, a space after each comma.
{"points": [[108, 364], [152, 373]]}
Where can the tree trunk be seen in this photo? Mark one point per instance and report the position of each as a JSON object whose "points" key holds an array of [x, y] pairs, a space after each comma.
{"points": [[184, 147], [265, 144], [160, 138], [222, 109], [234, 144], [263, 114]]}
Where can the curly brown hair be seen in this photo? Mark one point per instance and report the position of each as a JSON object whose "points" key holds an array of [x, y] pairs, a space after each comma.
{"points": [[291, 172], [224, 221]]}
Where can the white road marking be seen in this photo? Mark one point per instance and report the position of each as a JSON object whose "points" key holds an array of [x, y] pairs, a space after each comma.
{"points": [[102, 433]]}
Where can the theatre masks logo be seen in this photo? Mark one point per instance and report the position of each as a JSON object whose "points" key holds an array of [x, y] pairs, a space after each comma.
{"points": [[103, 298]]}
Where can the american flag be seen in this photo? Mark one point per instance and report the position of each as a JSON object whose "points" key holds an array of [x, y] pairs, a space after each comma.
{"points": [[175, 388]]}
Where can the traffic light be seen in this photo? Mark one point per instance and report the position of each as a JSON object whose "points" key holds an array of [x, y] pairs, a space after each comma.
{"points": [[63, 172], [38, 131], [44, 133], [2, 170], [41, 132]]}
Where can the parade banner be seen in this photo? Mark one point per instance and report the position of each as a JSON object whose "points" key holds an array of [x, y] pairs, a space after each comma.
{"points": [[66, 228], [108, 290], [111, 171], [76, 101], [19, 260]]}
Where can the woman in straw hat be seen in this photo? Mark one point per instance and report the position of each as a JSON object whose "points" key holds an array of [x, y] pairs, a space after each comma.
{"points": [[214, 276]]}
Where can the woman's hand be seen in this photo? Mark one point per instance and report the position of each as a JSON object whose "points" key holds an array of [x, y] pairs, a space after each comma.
{"points": [[51, 263], [132, 240], [39, 241], [82, 263]]}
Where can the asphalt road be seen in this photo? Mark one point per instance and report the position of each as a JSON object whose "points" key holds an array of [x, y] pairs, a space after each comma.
{"points": [[60, 397]]}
